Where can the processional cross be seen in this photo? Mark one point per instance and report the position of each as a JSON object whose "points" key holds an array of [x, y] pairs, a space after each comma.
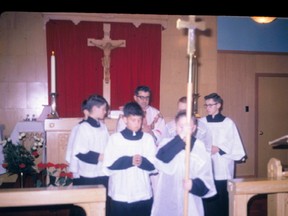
{"points": [[191, 25], [106, 44]]}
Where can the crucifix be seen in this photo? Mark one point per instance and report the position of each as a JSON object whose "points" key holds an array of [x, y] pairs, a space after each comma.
{"points": [[106, 44], [191, 25]]}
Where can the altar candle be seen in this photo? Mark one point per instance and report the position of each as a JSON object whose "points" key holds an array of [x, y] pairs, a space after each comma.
{"points": [[53, 73]]}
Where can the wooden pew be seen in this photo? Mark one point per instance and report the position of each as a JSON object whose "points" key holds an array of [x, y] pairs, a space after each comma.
{"points": [[91, 198], [275, 185]]}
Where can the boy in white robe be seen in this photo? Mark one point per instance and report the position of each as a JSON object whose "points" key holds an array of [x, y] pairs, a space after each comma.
{"points": [[226, 148], [170, 162], [71, 140], [129, 158], [90, 140], [153, 121]]}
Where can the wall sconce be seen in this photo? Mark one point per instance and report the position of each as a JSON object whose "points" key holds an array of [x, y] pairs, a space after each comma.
{"points": [[263, 20]]}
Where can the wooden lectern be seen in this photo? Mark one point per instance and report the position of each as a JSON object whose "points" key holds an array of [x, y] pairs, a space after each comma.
{"points": [[280, 141]]}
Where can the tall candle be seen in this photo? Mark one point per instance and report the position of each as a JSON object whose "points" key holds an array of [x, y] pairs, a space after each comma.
{"points": [[53, 73]]}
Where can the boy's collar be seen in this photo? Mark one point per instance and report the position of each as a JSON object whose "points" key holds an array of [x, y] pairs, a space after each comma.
{"points": [[93, 122], [131, 135]]}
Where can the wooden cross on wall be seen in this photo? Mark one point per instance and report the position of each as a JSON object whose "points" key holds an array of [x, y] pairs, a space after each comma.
{"points": [[106, 44]]}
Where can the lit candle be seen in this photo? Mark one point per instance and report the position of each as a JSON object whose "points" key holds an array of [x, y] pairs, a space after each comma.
{"points": [[53, 73]]}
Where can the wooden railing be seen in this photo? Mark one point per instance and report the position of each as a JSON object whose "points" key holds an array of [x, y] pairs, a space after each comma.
{"points": [[275, 185], [91, 198]]}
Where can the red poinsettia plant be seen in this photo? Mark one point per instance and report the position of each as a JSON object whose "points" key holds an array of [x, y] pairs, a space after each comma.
{"points": [[57, 174]]}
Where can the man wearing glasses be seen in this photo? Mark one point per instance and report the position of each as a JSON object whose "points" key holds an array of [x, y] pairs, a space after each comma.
{"points": [[226, 148], [153, 123]]}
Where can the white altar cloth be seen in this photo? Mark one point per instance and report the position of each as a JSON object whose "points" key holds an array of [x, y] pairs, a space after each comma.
{"points": [[26, 126]]}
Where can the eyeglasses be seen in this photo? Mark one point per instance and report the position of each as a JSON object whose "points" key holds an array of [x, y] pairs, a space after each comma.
{"points": [[209, 105], [143, 97]]}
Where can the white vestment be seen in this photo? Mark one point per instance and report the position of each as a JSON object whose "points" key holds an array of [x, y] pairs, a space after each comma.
{"points": [[88, 139], [169, 196], [129, 184], [70, 147], [225, 135]]}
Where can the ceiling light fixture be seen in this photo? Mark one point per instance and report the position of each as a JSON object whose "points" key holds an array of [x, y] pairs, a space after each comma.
{"points": [[263, 20]]}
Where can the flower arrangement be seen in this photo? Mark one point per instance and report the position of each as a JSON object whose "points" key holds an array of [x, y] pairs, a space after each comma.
{"points": [[17, 159], [57, 173]]}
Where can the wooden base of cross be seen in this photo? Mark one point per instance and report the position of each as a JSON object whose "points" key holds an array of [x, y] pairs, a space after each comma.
{"points": [[106, 91]]}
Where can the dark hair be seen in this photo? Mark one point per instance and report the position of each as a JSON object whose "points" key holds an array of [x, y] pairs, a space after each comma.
{"points": [[84, 105], [216, 98], [95, 100], [142, 88], [133, 108], [183, 113], [182, 99]]}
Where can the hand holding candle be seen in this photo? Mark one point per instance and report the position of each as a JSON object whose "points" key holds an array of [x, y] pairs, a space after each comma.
{"points": [[53, 73]]}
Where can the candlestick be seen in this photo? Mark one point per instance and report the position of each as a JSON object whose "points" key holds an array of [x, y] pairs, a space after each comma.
{"points": [[53, 73], [53, 114]]}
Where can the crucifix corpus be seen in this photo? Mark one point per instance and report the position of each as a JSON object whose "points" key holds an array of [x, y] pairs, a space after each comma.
{"points": [[106, 44], [191, 25]]}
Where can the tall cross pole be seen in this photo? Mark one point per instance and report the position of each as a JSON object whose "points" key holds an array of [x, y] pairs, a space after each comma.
{"points": [[106, 44], [191, 25]]}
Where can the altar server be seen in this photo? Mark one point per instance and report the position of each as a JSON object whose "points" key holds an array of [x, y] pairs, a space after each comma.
{"points": [[89, 143], [170, 162], [129, 158], [88, 146], [226, 148]]}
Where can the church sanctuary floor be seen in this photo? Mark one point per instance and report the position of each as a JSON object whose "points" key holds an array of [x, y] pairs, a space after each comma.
{"points": [[257, 206]]}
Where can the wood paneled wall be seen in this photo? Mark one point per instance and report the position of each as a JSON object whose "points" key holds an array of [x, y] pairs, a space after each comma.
{"points": [[236, 73]]}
